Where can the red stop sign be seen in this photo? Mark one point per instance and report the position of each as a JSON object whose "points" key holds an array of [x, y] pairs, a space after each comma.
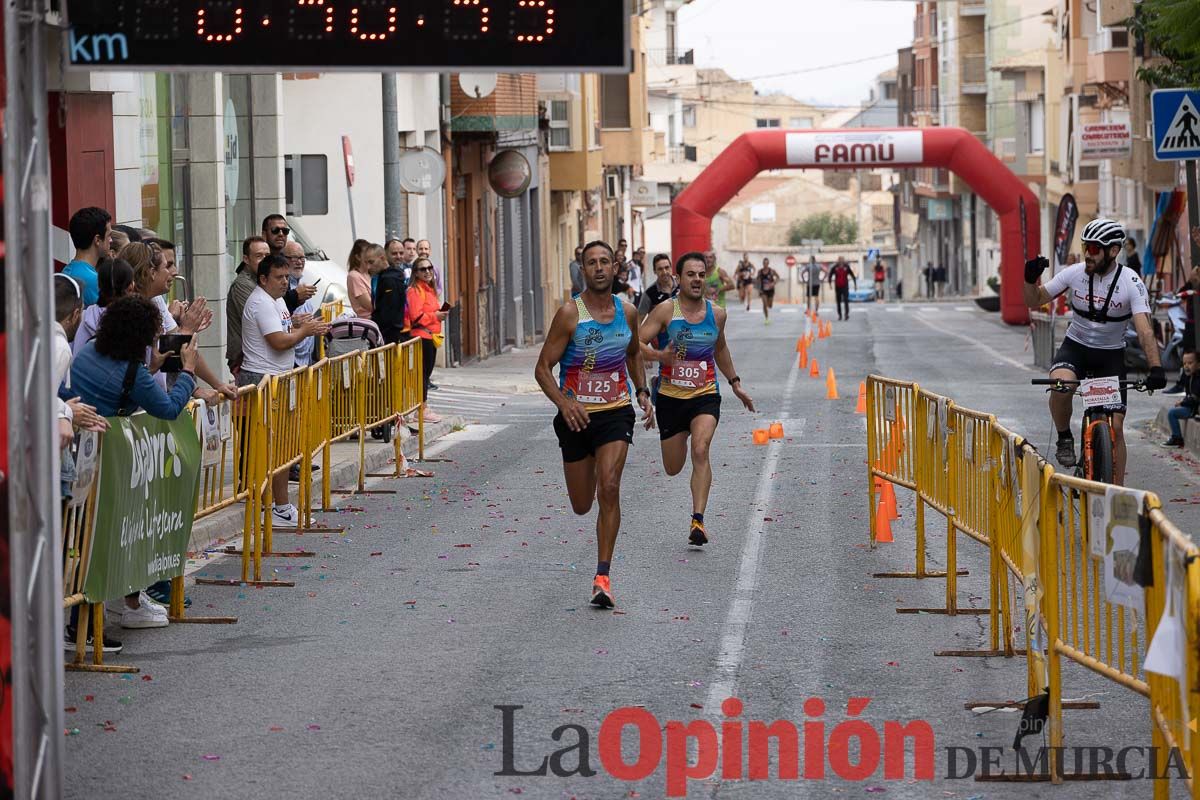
{"points": [[790, 261]]}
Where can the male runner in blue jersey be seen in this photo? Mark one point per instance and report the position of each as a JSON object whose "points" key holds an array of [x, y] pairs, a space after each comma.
{"points": [[689, 342], [592, 341]]}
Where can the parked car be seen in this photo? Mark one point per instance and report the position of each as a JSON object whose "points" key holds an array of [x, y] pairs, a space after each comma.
{"points": [[318, 265], [862, 295]]}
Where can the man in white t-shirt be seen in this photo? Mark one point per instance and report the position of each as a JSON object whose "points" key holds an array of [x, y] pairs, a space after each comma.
{"points": [[269, 338]]}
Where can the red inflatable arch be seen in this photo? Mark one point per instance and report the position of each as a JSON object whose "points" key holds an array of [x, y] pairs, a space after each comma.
{"points": [[952, 148]]}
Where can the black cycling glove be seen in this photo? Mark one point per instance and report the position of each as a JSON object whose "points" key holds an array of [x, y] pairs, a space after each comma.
{"points": [[1157, 379], [1034, 268]]}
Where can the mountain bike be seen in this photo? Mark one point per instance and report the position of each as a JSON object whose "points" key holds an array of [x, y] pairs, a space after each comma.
{"points": [[1099, 438]]}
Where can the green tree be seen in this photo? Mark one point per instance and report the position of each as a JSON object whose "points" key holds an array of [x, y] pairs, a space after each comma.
{"points": [[828, 227], [1170, 28]]}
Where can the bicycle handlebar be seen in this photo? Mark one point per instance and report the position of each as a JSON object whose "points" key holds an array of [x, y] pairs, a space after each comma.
{"points": [[1061, 383]]}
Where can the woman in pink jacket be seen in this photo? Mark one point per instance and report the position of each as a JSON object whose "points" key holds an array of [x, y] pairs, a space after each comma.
{"points": [[423, 317]]}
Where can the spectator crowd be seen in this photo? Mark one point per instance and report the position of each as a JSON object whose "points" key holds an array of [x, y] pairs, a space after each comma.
{"points": [[125, 340]]}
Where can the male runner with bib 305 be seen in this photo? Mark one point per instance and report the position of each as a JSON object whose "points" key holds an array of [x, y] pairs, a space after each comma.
{"points": [[690, 335], [592, 340]]}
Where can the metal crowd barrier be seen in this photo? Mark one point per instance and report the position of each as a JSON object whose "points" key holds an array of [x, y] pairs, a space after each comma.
{"points": [[287, 420], [1046, 562]]}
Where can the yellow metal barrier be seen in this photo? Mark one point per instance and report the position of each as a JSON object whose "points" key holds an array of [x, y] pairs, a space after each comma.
{"points": [[1047, 550], [223, 477], [1175, 699]]}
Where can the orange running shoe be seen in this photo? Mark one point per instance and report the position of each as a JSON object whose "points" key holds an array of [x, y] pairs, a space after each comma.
{"points": [[602, 592], [697, 535]]}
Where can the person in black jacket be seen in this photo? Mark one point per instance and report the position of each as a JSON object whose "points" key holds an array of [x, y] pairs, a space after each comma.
{"points": [[1189, 405], [390, 294]]}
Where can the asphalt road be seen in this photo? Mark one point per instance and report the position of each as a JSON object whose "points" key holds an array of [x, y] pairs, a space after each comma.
{"points": [[379, 674]]}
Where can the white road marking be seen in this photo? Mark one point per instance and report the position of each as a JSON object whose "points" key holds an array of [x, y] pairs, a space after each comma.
{"points": [[963, 308], [894, 309], [733, 640], [996, 354], [789, 311]]}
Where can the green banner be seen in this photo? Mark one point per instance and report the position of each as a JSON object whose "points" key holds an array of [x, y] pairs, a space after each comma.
{"points": [[149, 475]]}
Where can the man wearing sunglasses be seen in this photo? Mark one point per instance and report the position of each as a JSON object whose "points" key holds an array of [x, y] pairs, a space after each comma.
{"points": [[275, 230], [1104, 298]]}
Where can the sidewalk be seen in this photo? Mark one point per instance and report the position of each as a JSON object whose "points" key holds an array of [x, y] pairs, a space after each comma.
{"points": [[226, 526], [508, 373]]}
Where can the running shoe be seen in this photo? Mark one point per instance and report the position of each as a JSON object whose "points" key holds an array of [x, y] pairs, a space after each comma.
{"points": [[697, 535], [602, 592], [1066, 451]]}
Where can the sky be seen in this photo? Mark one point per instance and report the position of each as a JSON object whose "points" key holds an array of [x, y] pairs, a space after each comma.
{"points": [[749, 38]]}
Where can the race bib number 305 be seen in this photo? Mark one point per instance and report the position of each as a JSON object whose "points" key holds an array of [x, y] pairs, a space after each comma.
{"points": [[600, 387], [689, 374]]}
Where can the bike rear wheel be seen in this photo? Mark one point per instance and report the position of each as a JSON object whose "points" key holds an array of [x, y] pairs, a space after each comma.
{"points": [[1100, 465]]}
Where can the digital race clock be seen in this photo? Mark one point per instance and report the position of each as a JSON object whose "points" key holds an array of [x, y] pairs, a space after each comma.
{"points": [[410, 35]]}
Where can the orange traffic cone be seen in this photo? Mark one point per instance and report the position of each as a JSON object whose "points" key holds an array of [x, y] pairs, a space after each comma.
{"points": [[831, 392], [814, 371], [883, 526], [776, 430], [889, 500], [861, 408], [804, 358], [801, 344]]}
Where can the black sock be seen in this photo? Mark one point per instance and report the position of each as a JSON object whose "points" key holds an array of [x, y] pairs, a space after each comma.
{"points": [[698, 517], [602, 567], [1064, 434]]}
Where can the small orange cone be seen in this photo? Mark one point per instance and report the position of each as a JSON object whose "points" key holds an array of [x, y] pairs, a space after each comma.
{"points": [[831, 392], [889, 500], [761, 436], [814, 371], [803, 358], [776, 430], [861, 408], [883, 526], [801, 344]]}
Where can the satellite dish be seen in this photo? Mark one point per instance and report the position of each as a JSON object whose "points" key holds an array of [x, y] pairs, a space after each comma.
{"points": [[477, 85], [422, 170]]}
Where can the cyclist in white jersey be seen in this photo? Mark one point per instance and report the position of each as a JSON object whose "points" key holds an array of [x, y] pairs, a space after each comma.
{"points": [[1104, 298]]}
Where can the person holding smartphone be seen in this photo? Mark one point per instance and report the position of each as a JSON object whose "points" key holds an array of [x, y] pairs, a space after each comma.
{"points": [[423, 314]]}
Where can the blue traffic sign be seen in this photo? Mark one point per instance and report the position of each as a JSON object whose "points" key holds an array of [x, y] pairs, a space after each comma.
{"points": [[1176, 124]]}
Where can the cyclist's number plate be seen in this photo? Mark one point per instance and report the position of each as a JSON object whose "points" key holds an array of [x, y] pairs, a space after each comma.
{"points": [[689, 374], [600, 387], [1099, 392]]}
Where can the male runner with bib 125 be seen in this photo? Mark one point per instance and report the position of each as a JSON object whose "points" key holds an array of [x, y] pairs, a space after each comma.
{"points": [[592, 340], [690, 335], [1104, 297]]}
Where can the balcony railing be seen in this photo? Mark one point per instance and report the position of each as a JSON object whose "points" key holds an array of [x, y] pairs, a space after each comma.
{"points": [[926, 98], [665, 58]]}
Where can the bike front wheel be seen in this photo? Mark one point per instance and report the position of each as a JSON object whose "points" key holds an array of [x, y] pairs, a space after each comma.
{"points": [[1100, 465]]}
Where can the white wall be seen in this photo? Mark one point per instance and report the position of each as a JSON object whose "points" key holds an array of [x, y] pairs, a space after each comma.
{"points": [[318, 112]]}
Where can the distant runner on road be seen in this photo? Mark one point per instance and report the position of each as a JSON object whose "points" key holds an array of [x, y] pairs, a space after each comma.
{"points": [[810, 276], [767, 278], [840, 276], [690, 334], [592, 341], [716, 279], [745, 279]]}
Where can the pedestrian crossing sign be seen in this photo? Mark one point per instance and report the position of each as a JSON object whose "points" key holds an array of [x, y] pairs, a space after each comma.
{"points": [[1176, 124]]}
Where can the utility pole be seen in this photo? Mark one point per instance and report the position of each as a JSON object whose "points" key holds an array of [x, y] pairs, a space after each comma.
{"points": [[393, 195], [34, 516]]}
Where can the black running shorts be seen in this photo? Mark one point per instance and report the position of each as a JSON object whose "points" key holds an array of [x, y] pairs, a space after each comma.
{"points": [[814, 291], [613, 425], [675, 416], [1092, 362]]}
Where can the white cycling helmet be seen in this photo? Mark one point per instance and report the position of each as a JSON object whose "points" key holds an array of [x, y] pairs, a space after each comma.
{"points": [[1104, 232]]}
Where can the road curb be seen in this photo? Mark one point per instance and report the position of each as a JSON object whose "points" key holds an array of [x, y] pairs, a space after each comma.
{"points": [[227, 526]]}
